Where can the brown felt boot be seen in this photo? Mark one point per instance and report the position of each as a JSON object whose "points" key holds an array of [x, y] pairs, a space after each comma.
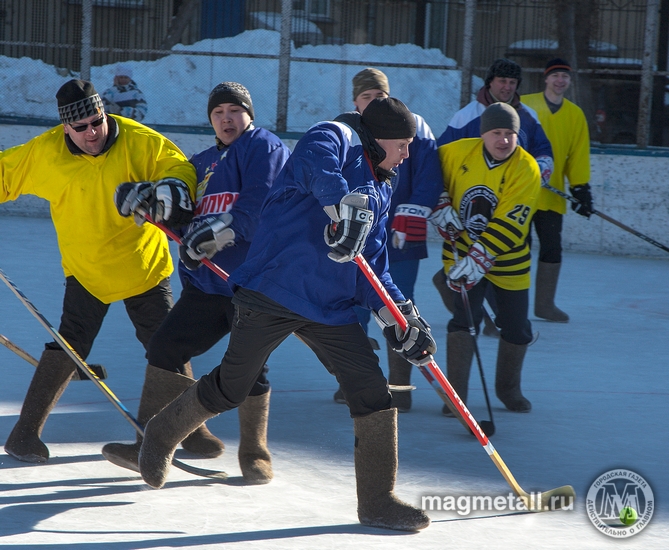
{"points": [[544, 297], [160, 388], [254, 458], [165, 431], [399, 374], [375, 471], [447, 295], [459, 354], [507, 379], [202, 442], [54, 371]]}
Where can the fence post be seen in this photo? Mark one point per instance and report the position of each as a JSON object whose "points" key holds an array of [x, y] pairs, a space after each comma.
{"points": [[467, 48], [86, 38], [647, 66], [284, 66]]}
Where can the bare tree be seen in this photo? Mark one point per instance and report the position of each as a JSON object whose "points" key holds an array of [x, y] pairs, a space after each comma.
{"points": [[181, 20]]}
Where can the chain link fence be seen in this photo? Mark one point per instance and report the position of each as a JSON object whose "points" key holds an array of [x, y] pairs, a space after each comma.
{"points": [[297, 57]]}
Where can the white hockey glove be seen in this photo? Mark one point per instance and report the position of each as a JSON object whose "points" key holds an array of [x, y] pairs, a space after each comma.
{"points": [[470, 269], [445, 218], [416, 344], [409, 224], [132, 199], [171, 203], [208, 238], [352, 222]]}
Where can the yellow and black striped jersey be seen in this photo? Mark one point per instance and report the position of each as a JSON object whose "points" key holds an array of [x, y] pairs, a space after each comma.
{"points": [[496, 202], [567, 130]]}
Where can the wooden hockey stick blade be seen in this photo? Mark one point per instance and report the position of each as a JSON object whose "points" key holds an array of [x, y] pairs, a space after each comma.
{"points": [[435, 376], [69, 350]]}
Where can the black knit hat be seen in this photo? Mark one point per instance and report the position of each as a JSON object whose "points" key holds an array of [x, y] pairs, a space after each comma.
{"points": [[230, 92], [503, 68], [389, 118], [77, 99], [500, 115], [557, 65]]}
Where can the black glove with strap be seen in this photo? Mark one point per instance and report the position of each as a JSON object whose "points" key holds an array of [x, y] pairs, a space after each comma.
{"points": [[352, 222], [171, 203], [208, 238], [416, 343], [132, 199], [582, 194]]}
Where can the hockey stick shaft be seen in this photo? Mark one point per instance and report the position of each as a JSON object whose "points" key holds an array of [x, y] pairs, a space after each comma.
{"points": [[72, 354], [436, 378], [19, 351], [609, 219]]}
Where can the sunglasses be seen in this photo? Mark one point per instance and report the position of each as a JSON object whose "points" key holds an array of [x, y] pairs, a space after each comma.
{"points": [[84, 127]]}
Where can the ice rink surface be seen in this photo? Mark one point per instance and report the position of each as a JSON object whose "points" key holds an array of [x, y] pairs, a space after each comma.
{"points": [[599, 388]]}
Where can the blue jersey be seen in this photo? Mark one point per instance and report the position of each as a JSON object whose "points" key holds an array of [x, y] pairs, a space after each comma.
{"points": [[234, 179], [419, 181], [466, 123], [288, 259]]}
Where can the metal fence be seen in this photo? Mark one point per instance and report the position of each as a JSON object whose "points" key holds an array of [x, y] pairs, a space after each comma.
{"points": [[619, 48]]}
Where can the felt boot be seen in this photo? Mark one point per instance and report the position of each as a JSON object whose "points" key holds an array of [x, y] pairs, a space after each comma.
{"points": [[165, 431], [54, 371], [544, 297], [459, 354], [254, 458], [160, 388], [375, 472], [447, 295], [507, 379]]}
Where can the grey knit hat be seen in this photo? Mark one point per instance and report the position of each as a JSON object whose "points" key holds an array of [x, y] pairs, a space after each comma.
{"points": [[77, 99], [230, 92], [500, 115], [370, 79]]}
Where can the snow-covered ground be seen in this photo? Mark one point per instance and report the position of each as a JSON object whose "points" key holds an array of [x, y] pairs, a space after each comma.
{"points": [[598, 385], [177, 86]]}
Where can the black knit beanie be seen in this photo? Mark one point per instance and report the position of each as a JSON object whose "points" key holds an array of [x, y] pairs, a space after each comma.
{"points": [[230, 92], [77, 99], [503, 68], [557, 65], [389, 118], [500, 115]]}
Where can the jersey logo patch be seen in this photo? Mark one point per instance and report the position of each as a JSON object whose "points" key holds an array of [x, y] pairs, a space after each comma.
{"points": [[476, 209]]}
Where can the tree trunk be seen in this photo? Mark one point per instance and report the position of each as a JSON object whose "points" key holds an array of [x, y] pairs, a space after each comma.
{"points": [[179, 22]]}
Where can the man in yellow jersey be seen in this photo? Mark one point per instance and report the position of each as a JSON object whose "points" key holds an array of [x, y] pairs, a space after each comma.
{"points": [[493, 185], [567, 129], [77, 167]]}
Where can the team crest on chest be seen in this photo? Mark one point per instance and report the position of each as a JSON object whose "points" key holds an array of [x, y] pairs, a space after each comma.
{"points": [[477, 207]]}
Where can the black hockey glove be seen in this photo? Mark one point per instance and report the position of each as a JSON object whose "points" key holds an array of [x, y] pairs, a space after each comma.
{"points": [[352, 222], [211, 236], [584, 197], [416, 344], [171, 203], [132, 199]]}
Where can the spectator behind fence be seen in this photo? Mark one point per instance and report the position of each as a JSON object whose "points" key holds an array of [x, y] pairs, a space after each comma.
{"points": [[124, 97]]}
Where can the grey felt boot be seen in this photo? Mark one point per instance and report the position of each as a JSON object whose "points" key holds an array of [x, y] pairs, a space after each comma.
{"points": [[54, 371], [459, 354], [544, 297], [165, 431], [254, 458], [447, 295], [375, 470], [160, 388], [507, 379], [399, 374]]}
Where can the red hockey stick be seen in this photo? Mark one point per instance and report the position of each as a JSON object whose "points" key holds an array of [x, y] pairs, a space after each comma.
{"points": [[555, 499]]}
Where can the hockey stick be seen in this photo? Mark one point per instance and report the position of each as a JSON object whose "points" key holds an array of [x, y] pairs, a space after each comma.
{"points": [[23, 354], [91, 374], [487, 427], [560, 497], [634, 232], [99, 370]]}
